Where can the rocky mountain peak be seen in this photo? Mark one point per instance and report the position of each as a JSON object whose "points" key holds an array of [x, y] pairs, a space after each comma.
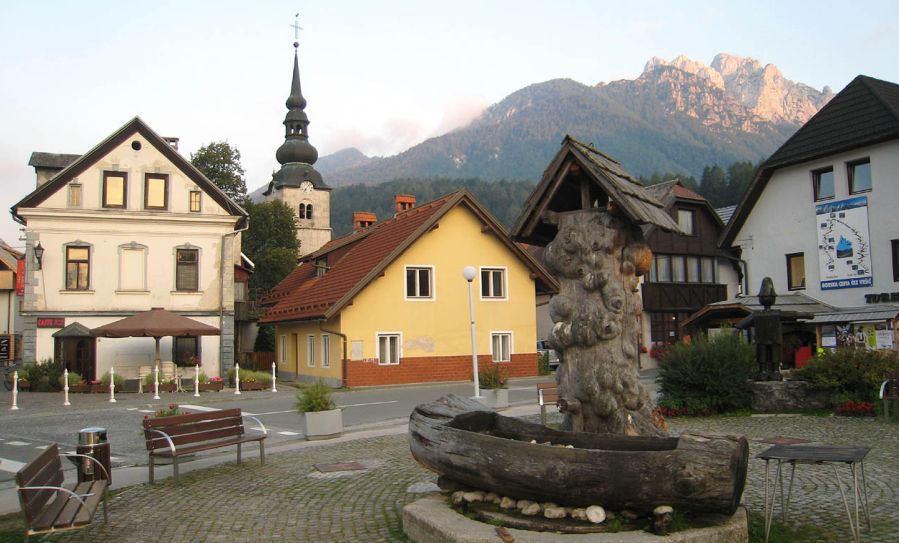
{"points": [[761, 89]]}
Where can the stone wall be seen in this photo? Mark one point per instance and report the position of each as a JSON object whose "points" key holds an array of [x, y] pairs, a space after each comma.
{"points": [[786, 396]]}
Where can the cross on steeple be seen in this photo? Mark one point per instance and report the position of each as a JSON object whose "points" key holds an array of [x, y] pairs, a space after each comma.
{"points": [[296, 30]]}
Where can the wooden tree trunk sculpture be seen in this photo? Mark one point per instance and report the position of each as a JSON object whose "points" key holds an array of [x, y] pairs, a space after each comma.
{"points": [[597, 258]]}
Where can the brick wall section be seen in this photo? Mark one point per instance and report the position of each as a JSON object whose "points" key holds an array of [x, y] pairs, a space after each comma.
{"points": [[431, 368]]}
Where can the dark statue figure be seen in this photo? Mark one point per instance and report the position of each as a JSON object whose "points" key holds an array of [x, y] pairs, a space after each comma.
{"points": [[768, 334]]}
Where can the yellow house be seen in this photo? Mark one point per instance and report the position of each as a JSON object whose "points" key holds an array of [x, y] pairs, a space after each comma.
{"points": [[389, 304]]}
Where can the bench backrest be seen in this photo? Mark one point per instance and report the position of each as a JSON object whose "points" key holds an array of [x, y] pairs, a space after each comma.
{"points": [[45, 470], [193, 428], [547, 393]]}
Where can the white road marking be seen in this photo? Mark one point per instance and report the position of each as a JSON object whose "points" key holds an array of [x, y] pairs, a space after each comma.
{"points": [[17, 443], [10, 465], [288, 433], [370, 403], [146, 411], [42, 446], [200, 408], [131, 409]]}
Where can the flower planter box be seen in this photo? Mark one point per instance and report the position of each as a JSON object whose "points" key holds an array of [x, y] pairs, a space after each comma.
{"points": [[254, 385], [211, 386], [24, 386], [494, 398], [163, 387], [323, 424]]}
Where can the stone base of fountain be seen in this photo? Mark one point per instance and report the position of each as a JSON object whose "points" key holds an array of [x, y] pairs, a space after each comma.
{"points": [[432, 520]]}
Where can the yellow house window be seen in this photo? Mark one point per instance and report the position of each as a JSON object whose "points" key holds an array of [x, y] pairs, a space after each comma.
{"points": [[156, 191], [310, 351], [493, 283], [115, 189], [389, 349], [420, 282], [326, 351], [501, 346]]}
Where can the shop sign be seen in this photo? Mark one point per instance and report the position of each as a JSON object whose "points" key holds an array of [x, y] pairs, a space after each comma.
{"points": [[51, 322], [882, 298]]}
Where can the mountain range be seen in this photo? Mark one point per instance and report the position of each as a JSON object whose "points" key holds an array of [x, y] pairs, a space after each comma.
{"points": [[677, 116]]}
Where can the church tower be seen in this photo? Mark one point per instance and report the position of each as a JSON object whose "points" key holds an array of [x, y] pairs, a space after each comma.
{"points": [[297, 183]]}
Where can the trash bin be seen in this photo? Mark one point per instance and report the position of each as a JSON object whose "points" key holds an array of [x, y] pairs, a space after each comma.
{"points": [[93, 442]]}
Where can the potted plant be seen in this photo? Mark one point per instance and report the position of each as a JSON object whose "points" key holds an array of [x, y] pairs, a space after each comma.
{"points": [[164, 385], [206, 383], [323, 418], [494, 390]]}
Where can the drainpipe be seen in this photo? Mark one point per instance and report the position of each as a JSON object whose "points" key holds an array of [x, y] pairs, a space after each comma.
{"points": [[744, 271], [343, 358], [222, 294]]}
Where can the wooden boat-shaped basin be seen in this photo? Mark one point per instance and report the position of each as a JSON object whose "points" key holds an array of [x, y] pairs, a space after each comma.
{"points": [[465, 442]]}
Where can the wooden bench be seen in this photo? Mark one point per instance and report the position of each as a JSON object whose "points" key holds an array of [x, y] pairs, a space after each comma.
{"points": [[889, 392], [179, 435], [547, 394], [50, 507]]}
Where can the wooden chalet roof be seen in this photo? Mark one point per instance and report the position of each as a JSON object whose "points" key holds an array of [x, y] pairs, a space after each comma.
{"points": [[866, 112], [85, 161], [355, 260], [581, 176], [670, 192]]}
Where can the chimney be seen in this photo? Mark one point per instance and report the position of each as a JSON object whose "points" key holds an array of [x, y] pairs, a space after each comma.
{"points": [[403, 202], [172, 141], [363, 219]]}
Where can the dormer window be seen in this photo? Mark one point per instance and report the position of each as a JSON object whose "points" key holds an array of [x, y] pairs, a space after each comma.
{"points": [[321, 267]]}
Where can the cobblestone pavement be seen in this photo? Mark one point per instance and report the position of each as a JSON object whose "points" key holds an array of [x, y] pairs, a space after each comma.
{"points": [[289, 500]]}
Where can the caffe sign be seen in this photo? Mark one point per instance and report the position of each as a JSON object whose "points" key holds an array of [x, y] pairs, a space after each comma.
{"points": [[51, 322]]}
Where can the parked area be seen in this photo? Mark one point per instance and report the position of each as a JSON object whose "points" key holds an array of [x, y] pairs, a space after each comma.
{"points": [[294, 497]]}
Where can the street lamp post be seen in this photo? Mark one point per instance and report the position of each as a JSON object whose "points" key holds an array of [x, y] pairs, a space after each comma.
{"points": [[469, 273]]}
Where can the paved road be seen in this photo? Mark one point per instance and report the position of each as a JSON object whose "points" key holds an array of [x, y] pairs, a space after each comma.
{"points": [[289, 499], [42, 419]]}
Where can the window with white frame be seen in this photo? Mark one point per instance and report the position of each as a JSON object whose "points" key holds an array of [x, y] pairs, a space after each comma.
{"points": [[310, 351], [493, 283], [420, 282], [326, 351], [388, 349], [282, 355], [501, 346]]}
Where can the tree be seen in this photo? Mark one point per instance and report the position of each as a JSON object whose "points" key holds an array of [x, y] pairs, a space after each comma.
{"points": [[271, 243], [714, 185], [220, 162], [739, 175]]}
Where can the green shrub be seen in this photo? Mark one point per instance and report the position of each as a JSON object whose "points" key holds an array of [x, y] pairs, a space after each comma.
{"points": [[543, 367], [493, 375], [74, 379], [119, 380], [45, 376], [202, 378], [315, 397], [708, 375], [250, 376], [849, 373]]}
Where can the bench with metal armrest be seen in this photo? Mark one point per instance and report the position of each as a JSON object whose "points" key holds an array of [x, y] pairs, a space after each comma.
{"points": [[179, 435], [47, 505]]}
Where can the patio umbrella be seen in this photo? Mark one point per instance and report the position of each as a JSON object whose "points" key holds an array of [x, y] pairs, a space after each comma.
{"points": [[156, 323]]}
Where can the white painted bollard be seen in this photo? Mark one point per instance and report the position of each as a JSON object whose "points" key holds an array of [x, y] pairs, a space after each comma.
{"points": [[197, 381], [112, 385], [274, 379], [237, 378], [15, 391], [156, 382], [65, 387]]}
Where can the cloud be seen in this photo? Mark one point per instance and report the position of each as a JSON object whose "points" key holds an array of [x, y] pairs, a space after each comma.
{"points": [[460, 113]]}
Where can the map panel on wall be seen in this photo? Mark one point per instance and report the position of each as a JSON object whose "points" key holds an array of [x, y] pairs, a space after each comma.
{"points": [[844, 254]]}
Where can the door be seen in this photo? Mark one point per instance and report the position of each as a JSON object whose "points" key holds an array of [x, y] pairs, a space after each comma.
{"points": [[77, 355]]}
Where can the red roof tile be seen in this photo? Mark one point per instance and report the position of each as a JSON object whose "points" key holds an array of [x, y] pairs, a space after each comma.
{"points": [[357, 258]]}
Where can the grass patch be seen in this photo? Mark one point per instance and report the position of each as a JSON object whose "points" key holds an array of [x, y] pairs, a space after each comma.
{"points": [[12, 528], [781, 533]]}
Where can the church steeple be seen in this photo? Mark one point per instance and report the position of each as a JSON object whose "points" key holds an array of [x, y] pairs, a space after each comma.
{"points": [[296, 146]]}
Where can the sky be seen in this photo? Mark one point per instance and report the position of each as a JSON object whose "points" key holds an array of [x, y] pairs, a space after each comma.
{"points": [[380, 76]]}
